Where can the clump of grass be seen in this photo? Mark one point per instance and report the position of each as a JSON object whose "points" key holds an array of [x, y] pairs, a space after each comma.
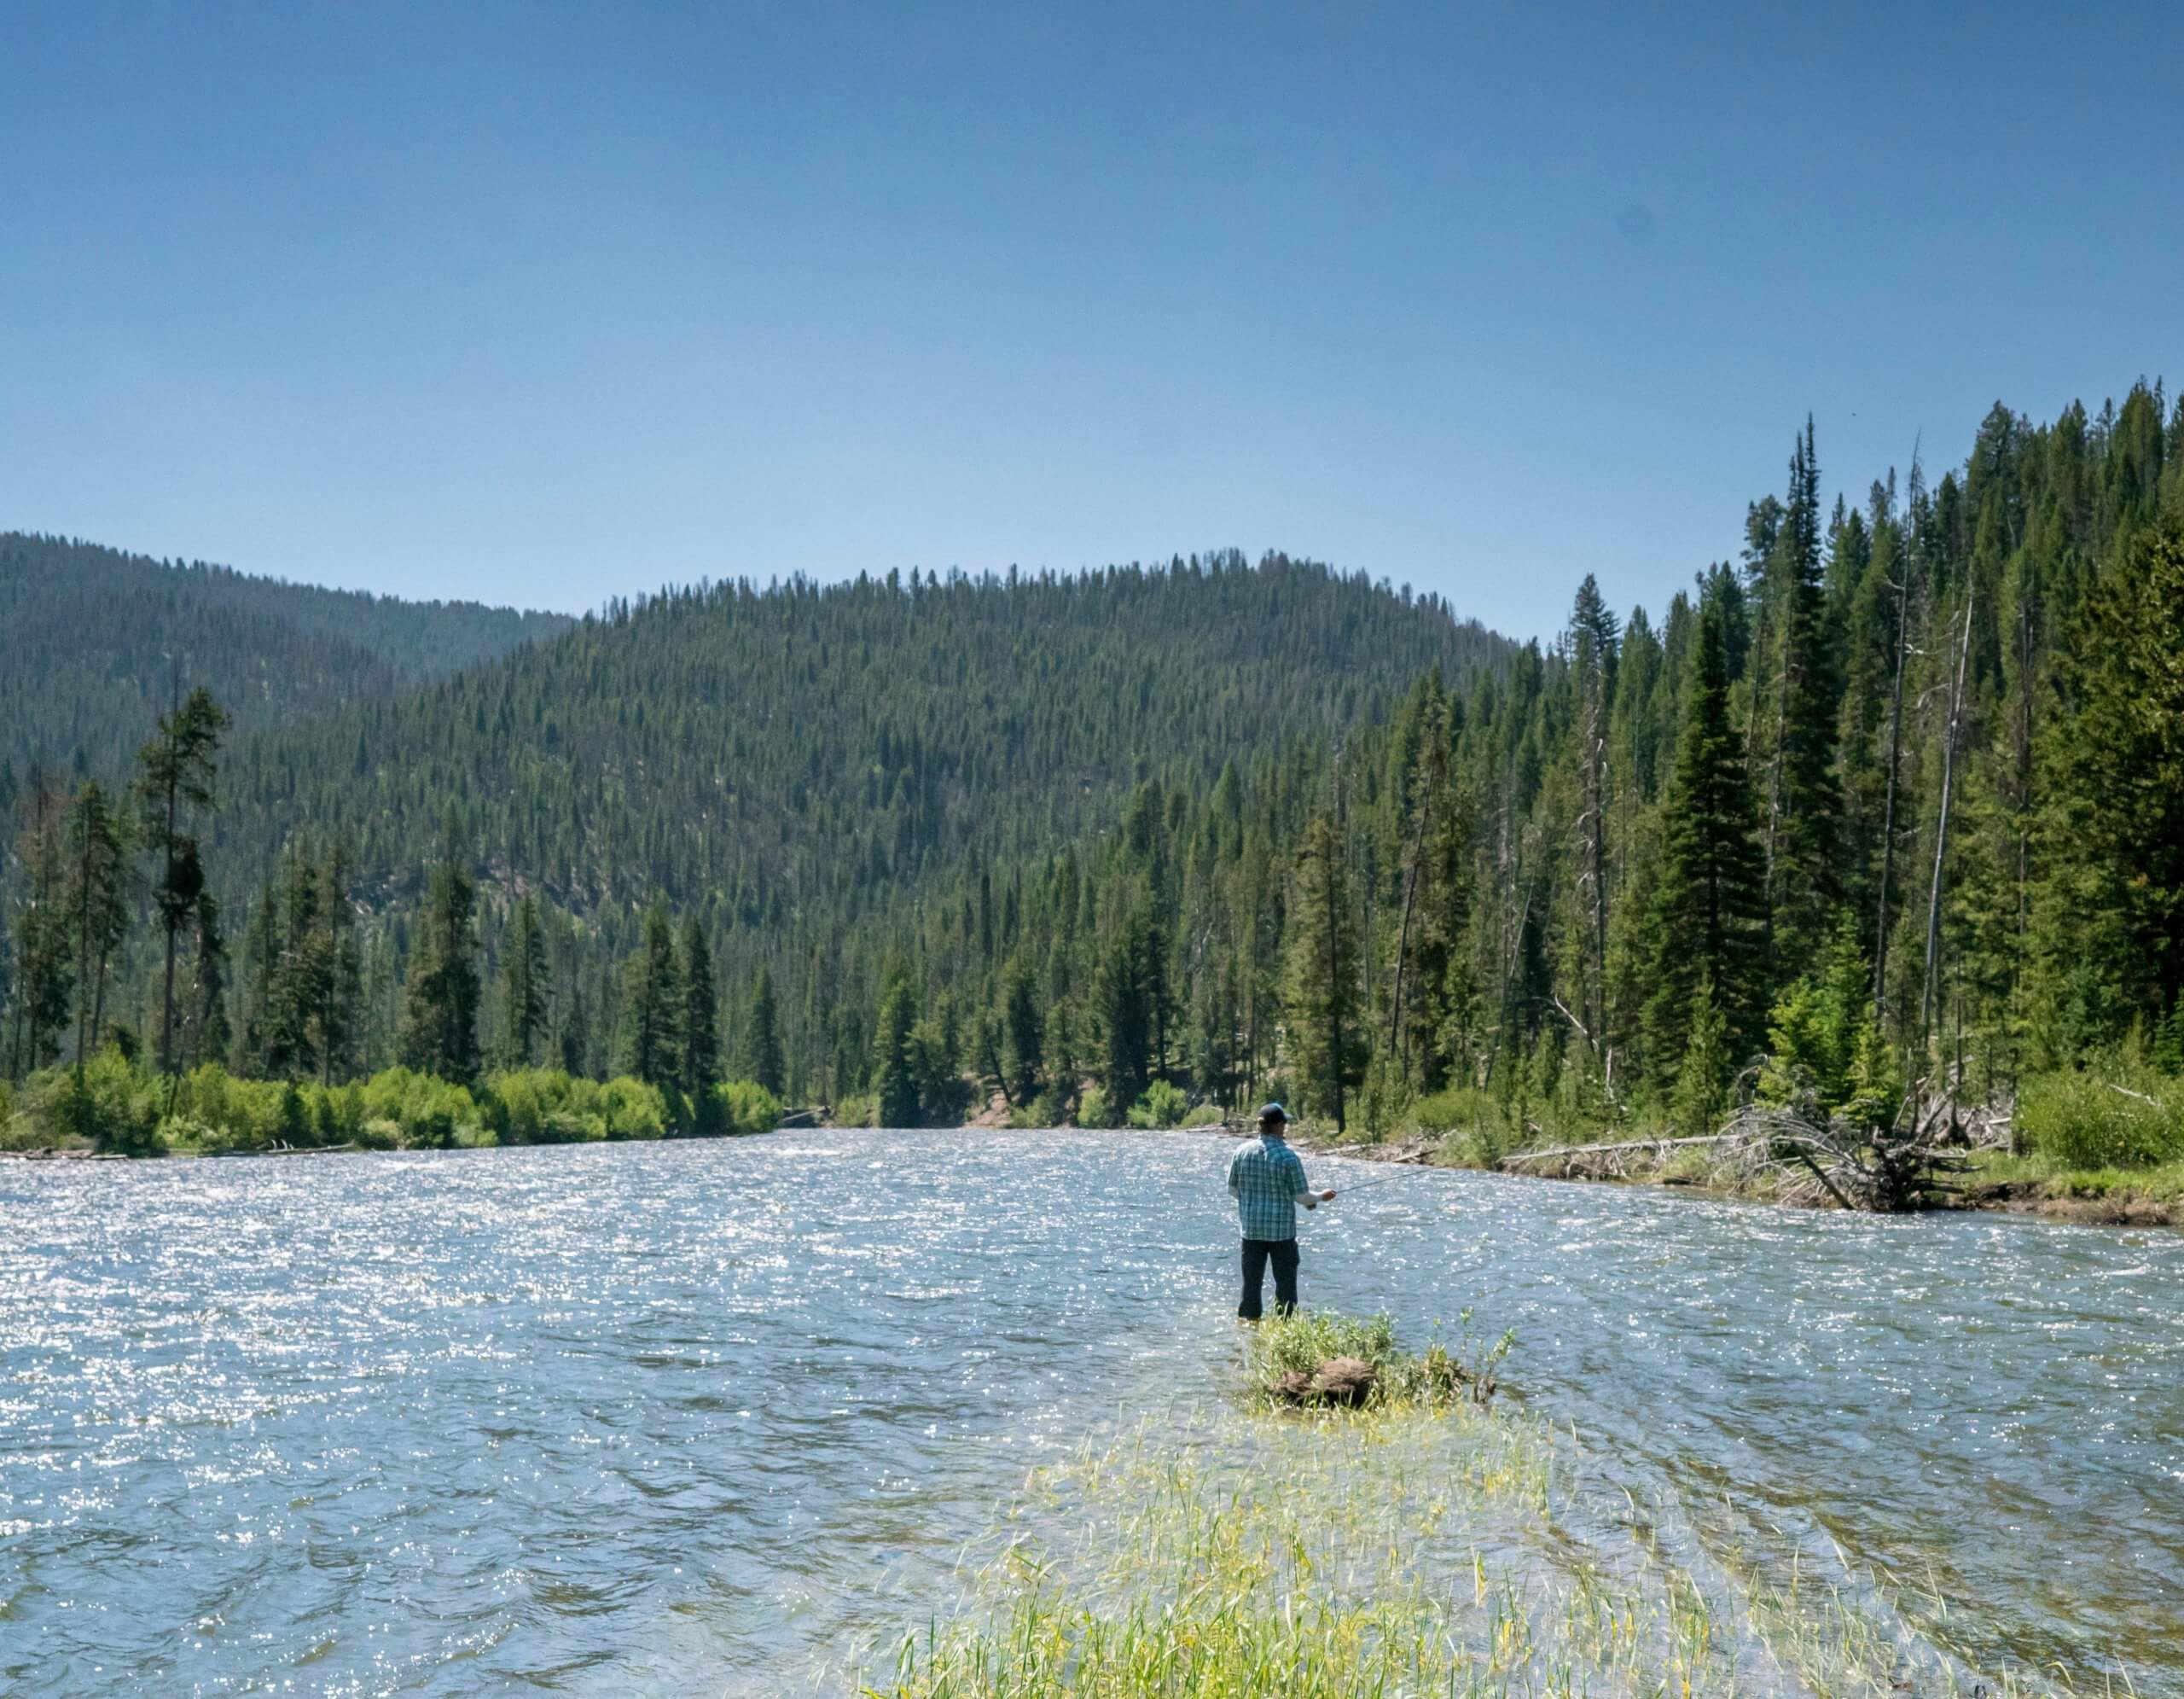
{"points": [[1287, 1353], [1385, 1551], [1288, 1564]]}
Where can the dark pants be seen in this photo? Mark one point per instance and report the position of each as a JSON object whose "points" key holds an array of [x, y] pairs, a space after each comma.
{"points": [[1257, 1252]]}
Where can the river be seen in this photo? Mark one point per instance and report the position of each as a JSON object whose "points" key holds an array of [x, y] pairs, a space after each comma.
{"points": [[699, 1416]]}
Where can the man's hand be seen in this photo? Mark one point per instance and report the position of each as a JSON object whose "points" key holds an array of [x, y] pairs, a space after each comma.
{"points": [[1328, 1196]]}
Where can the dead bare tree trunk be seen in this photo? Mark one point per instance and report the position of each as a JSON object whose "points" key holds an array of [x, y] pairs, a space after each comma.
{"points": [[1941, 828], [1396, 1041], [1888, 810], [1596, 850]]}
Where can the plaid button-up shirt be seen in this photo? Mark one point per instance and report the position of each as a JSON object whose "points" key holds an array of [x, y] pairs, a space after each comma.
{"points": [[1266, 1179]]}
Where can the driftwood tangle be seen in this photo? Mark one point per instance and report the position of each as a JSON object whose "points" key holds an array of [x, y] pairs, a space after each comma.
{"points": [[1805, 1152]]}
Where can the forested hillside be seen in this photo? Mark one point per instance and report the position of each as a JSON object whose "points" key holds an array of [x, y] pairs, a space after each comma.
{"points": [[1896, 795], [92, 641], [763, 755]]}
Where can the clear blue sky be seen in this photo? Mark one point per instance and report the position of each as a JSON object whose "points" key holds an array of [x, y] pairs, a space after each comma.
{"points": [[543, 304]]}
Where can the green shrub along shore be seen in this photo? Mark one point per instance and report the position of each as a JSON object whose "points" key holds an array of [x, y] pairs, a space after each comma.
{"points": [[114, 1106]]}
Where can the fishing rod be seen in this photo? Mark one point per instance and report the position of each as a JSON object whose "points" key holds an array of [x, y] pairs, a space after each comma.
{"points": [[1367, 1185]]}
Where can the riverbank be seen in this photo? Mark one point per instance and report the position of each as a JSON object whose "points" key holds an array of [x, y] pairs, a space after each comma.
{"points": [[1995, 1180]]}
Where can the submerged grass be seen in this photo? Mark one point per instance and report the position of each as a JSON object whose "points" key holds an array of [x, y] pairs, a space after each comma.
{"points": [[1419, 1546]]}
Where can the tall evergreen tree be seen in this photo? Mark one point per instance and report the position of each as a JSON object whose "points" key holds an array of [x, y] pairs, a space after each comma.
{"points": [[652, 996], [1710, 908], [335, 1025], [1128, 991], [761, 1035], [440, 1028], [2114, 931], [206, 1034], [1322, 1003], [894, 1065], [302, 982], [1023, 1030], [98, 904], [1803, 870], [43, 982], [526, 984], [175, 776], [700, 1021]]}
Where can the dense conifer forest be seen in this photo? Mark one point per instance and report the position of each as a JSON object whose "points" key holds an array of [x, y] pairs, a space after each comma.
{"points": [[1894, 796], [92, 641]]}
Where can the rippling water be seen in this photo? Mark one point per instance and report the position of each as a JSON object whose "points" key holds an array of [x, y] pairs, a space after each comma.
{"points": [[701, 1416]]}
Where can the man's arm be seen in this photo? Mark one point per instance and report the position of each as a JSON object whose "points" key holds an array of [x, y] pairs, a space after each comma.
{"points": [[1304, 1193]]}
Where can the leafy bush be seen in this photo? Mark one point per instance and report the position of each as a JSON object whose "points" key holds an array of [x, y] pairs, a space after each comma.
{"points": [[1205, 1115], [427, 1110], [547, 1106], [632, 1110], [112, 1104], [179, 1135], [1163, 1105], [1092, 1109], [2081, 1121], [746, 1107], [379, 1135], [1476, 1129], [1462, 1106]]}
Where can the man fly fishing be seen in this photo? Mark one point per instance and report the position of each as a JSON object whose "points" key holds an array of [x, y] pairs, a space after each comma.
{"points": [[1267, 1182]]}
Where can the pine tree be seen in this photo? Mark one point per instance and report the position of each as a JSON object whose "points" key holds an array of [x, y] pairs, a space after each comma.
{"points": [[43, 982], [1805, 802], [175, 774], [894, 1067], [206, 1034], [1711, 903], [261, 955], [336, 1026], [1592, 643], [527, 985], [2112, 937], [1321, 1002], [576, 1033], [98, 905], [1127, 995], [1023, 1030], [440, 1028], [762, 1038], [1703, 1064], [651, 996], [698, 1022], [303, 975]]}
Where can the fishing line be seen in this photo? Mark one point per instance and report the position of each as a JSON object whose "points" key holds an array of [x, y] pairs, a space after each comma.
{"points": [[1367, 1185]]}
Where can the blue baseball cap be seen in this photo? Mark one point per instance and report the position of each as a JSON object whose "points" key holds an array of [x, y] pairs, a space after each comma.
{"points": [[1273, 1112]]}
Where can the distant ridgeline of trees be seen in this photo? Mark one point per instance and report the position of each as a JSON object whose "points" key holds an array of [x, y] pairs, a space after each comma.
{"points": [[1900, 793], [90, 638]]}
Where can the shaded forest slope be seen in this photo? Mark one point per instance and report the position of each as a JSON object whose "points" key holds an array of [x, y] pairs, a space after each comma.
{"points": [[758, 754], [89, 637]]}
